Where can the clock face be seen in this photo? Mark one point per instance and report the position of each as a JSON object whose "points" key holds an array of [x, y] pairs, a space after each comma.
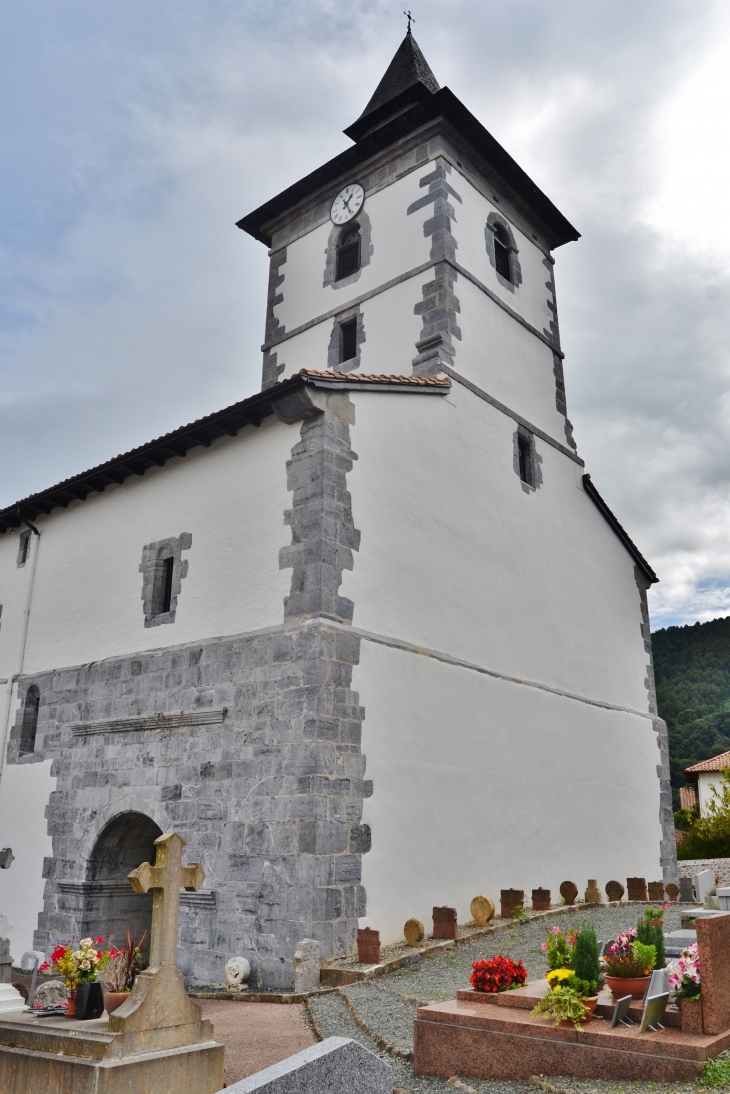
{"points": [[347, 204]]}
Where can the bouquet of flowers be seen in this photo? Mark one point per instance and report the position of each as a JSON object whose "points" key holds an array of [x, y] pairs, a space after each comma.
{"points": [[558, 948], [77, 966], [498, 974], [628, 957], [684, 974]]}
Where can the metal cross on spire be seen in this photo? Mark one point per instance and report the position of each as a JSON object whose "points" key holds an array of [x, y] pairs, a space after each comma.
{"points": [[410, 19]]}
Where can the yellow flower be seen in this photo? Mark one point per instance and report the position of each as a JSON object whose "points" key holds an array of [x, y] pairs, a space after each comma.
{"points": [[559, 974]]}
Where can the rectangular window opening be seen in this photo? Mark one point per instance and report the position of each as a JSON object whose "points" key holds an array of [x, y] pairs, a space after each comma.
{"points": [[24, 548], [348, 259], [167, 584], [501, 259], [348, 340], [523, 449]]}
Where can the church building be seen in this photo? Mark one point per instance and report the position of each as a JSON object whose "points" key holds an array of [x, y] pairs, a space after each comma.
{"points": [[370, 640]]}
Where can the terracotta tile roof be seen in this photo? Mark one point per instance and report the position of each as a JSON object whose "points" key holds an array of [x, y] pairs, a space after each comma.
{"points": [[360, 378], [717, 763]]}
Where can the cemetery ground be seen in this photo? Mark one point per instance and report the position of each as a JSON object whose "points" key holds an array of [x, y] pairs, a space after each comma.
{"points": [[387, 1006]]}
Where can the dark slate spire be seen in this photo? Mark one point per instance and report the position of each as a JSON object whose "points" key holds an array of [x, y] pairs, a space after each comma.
{"points": [[407, 68]]}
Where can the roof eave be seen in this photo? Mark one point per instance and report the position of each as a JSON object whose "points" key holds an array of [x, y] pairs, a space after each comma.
{"points": [[619, 530], [406, 113]]}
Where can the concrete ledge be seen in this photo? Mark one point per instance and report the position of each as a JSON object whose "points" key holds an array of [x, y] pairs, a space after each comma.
{"points": [[337, 1064]]}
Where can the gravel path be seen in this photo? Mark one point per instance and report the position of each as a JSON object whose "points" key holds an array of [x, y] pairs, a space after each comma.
{"points": [[388, 1005]]}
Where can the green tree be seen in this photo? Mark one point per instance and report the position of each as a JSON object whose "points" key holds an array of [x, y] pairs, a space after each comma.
{"points": [[650, 931], [584, 957], [709, 836]]}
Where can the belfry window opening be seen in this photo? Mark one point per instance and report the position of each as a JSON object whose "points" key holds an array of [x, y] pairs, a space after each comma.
{"points": [[348, 252], [348, 340], [502, 250], [30, 720]]}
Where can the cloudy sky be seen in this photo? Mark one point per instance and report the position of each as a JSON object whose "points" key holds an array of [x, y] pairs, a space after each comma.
{"points": [[134, 135]]}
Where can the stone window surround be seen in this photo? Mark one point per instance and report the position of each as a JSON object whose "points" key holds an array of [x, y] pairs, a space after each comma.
{"points": [[366, 251], [492, 220], [333, 350], [29, 721], [153, 555], [534, 457]]}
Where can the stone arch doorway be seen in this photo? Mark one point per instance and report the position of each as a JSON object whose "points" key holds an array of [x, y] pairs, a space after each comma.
{"points": [[110, 905]]}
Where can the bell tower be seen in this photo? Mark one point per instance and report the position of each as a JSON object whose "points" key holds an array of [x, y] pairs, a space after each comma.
{"points": [[422, 249]]}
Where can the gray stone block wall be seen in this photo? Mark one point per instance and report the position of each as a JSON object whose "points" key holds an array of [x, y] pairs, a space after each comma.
{"points": [[269, 799], [668, 848]]}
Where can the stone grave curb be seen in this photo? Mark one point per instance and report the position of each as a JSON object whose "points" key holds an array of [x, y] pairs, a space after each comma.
{"points": [[333, 977]]}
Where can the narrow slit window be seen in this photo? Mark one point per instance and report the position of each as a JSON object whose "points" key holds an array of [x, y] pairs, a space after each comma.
{"points": [[30, 720], [167, 564], [525, 460], [348, 340], [24, 548], [348, 252], [502, 253]]}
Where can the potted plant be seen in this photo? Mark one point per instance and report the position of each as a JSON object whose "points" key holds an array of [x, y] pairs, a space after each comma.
{"points": [[650, 931], [558, 948], [121, 970], [569, 999], [76, 967], [498, 974], [684, 980], [628, 964]]}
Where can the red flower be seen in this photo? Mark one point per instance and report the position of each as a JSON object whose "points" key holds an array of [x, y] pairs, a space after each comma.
{"points": [[44, 966], [99, 940], [497, 974]]}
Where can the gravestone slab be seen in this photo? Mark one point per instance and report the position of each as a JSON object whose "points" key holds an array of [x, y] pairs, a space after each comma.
{"points": [[509, 900], [6, 961], [10, 999], [713, 943], [28, 959], [676, 942], [636, 887], [306, 965], [335, 1066], [238, 972], [541, 900], [656, 891], [482, 910], [614, 890], [703, 883], [686, 890], [569, 891], [51, 994], [444, 923], [368, 947], [593, 893], [414, 932], [672, 891]]}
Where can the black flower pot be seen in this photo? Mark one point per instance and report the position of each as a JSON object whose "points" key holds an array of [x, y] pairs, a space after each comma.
{"points": [[89, 1001]]}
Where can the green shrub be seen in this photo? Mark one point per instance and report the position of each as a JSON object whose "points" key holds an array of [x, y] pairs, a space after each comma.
{"points": [[584, 957], [650, 932]]}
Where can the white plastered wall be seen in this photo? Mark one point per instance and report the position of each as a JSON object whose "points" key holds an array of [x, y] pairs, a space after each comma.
{"points": [[455, 556], [709, 786], [398, 245], [507, 361], [25, 792], [87, 599], [481, 785], [529, 299]]}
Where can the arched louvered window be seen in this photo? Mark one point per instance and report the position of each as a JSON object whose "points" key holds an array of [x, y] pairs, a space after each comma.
{"points": [[348, 252], [502, 249], [30, 720]]}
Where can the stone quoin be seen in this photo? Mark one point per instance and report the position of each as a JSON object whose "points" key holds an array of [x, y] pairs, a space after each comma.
{"points": [[333, 633]]}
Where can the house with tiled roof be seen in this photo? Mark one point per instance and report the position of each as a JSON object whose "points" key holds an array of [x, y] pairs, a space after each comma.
{"points": [[370, 640], [707, 777]]}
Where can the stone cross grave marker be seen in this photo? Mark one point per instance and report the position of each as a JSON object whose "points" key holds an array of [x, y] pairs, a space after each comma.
{"points": [[158, 1000], [569, 891]]}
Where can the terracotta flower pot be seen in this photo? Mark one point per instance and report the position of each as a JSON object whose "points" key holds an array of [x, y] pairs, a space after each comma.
{"points": [[71, 1008], [114, 999], [635, 986], [591, 1001]]}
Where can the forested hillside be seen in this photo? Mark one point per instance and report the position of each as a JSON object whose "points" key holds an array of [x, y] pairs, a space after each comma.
{"points": [[692, 667]]}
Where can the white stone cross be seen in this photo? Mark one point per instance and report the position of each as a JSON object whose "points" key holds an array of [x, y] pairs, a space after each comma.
{"points": [[166, 878]]}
